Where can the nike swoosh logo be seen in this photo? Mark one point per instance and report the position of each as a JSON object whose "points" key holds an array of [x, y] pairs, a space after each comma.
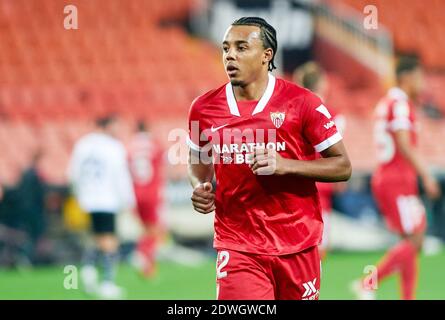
{"points": [[217, 128]]}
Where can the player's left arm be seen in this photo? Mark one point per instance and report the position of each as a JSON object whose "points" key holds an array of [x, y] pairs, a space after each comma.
{"points": [[318, 129], [333, 167]]}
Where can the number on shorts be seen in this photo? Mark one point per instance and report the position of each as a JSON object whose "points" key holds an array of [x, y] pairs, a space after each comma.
{"points": [[411, 211], [222, 261]]}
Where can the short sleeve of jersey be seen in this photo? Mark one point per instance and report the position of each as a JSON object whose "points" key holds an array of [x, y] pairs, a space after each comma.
{"points": [[400, 117], [318, 124], [194, 138]]}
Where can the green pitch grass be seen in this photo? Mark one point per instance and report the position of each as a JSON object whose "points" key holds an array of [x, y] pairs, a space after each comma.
{"points": [[180, 282]]}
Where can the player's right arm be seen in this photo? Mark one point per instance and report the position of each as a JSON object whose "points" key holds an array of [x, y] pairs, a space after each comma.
{"points": [[200, 172], [402, 141], [200, 176]]}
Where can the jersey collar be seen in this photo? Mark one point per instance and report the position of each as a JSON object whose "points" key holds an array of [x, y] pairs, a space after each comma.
{"points": [[231, 101]]}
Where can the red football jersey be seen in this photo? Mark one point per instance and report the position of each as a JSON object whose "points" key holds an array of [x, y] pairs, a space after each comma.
{"points": [[263, 214], [145, 162], [325, 192], [394, 112]]}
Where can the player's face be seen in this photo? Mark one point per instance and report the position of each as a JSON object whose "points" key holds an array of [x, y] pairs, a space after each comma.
{"points": [[417, 81], [114, 128], [244, 56], [322, 86]]}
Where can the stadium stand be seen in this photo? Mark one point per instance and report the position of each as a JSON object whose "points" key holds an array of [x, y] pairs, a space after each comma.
{"points": [[409, 26], [119, 60], [356, 86], [53, 79]]}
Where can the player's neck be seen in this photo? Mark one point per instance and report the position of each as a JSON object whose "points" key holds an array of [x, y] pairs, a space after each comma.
{"points": [[253, 90], [407, 91], [104, 132]]}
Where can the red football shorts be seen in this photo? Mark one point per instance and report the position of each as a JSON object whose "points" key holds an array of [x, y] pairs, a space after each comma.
{"points": [[403, 210], [247, 276]]}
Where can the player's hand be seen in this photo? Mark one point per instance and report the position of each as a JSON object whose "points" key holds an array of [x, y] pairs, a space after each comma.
{"points": [[267, 162], [203, 199], [431, 186]]}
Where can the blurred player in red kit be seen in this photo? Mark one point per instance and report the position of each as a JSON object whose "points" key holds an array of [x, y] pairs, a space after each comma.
{"points": [[260, 135], [394, 183], [311, 76], [146, 166]]}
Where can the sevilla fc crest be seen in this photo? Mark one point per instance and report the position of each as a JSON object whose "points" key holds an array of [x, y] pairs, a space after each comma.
{"points": [[277, 118]]}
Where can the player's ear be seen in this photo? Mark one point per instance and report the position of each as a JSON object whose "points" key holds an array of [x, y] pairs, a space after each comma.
{"points": [[267, 56]]}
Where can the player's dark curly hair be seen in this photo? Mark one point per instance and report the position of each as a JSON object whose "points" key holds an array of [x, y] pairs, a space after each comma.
{"points": [[406, 63], [105, 120], [268, 34]]}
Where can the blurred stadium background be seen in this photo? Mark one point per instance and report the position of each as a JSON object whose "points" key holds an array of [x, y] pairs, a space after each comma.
{"points": [[149, 59]]}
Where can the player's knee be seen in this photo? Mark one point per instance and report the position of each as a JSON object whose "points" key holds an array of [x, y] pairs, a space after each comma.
{"points": [[417, 240], [107, 243]]}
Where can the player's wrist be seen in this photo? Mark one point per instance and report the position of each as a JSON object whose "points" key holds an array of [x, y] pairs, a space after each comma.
{"points": [[197, 184], [287, 166]]}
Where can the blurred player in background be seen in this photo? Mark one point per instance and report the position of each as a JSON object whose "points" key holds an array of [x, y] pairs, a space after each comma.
{"points": [[311, 76], [101, 182], [268, 222], [394, 183], [31, 195], [146, 159]]}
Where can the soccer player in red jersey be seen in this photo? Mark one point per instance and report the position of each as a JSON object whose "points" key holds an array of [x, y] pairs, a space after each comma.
{"points": [[146, 167], [259, 135], [394, 183], [311, 76]]}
